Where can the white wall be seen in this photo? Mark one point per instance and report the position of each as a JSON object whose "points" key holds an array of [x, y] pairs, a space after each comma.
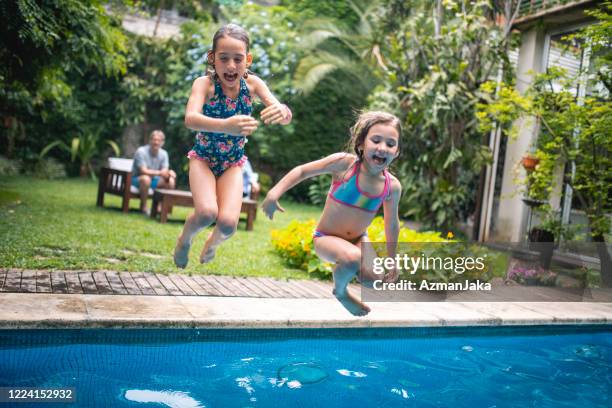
{"points": [[513, 214]]}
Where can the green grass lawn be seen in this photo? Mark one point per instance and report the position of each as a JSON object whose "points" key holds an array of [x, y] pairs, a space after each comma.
{"points": [[56, 225]]}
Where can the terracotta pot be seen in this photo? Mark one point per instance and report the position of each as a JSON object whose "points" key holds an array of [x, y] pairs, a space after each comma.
{"points": [[530, 162]]}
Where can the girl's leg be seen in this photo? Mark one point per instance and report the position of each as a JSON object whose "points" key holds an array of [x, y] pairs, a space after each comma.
{"points": [[229, 198], [366, 273], [347, 258], [203, 189]]}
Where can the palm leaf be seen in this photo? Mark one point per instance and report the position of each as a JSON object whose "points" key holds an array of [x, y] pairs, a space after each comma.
{"points": [[316, 38], [313, 76], [115, 147], [330, 47], [74, 148], [313, 70], [365, 26], [51, 145], [321, 30]]}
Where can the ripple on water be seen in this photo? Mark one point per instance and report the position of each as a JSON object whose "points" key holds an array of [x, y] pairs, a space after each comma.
{"points": [[588, 351], [302, 373], [349, 373], [168, 398]]}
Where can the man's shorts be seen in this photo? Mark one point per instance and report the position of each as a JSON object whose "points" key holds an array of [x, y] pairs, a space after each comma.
{"points": [[154, 181]]}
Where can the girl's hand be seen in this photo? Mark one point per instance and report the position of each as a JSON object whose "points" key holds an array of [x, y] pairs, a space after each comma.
{"points": [[277, 113], [270, 205], [240, 125]]}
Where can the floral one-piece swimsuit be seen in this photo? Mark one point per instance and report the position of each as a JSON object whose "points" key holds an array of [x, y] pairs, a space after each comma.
{"points": [[221, 150]]}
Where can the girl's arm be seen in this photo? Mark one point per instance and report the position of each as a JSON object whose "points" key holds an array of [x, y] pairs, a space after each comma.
{"points": [[275, 112], [194, 118], [392, 224], [334, 163]]}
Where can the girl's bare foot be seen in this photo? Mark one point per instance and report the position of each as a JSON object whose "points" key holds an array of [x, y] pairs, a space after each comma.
{"points": [[181, 253], [208, 252], [355, 306]]}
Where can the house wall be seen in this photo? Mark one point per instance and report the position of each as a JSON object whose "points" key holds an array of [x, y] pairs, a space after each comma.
{"points": [[513, 214], [511, 219]]}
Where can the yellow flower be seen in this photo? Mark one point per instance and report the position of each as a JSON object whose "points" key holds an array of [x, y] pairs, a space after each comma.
{"points": [[450, 235]]}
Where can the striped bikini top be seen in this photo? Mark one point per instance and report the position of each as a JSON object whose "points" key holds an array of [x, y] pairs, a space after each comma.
{"points": [[347, 192]]}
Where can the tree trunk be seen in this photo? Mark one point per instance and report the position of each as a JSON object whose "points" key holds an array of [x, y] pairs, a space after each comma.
{"points": [[605, 260], [158, 19], [83, 170], [15, 130]]}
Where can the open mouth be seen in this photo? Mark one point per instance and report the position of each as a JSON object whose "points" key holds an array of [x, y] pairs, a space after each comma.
{"points": [[380, 160], [230, 77]]}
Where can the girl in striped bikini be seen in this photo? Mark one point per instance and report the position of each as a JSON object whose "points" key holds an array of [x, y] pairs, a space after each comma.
{"points": [[361, 184]]}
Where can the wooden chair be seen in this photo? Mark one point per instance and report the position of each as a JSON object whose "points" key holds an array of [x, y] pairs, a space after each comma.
{"points": [[116, 179], [166, 199]]}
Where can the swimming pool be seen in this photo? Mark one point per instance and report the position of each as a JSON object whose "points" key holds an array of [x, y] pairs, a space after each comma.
{"points": [[553, 366]]}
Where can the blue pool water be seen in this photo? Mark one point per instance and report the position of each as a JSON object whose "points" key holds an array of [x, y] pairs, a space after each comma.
{"points": [[569, 366]]}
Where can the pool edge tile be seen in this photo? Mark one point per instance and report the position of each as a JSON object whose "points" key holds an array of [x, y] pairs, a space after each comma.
{"points": [[39, 310]]}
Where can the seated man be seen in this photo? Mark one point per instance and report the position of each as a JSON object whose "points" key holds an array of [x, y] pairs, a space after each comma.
{"points": [[250, 186], [151, 168]]}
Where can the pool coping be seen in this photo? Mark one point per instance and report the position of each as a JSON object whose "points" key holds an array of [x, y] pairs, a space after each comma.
{"points": [[38, 310]]}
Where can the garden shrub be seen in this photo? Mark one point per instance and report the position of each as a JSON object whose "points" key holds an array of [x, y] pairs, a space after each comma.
{"points": [[434, 244], [294, 244], [265, 182], [49, 168], [376, 233], [317, 191], [9, 167]]}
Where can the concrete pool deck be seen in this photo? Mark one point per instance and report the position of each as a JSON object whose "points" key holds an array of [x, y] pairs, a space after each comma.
{"points": [[263, 303], [21, 310]]}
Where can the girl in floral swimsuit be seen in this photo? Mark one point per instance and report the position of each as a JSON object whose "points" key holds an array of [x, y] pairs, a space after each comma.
{"points": [[221, 151], [219, 108], [361, 185]]}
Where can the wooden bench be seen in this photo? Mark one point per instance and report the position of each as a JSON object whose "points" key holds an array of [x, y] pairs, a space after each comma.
{"points": [[116, 179], [170, 198]]}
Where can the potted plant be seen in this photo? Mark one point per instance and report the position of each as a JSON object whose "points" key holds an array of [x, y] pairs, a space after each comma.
{"points": [[530, 161], [82, 148], [542, 240], [541, 234], [545, 236]]}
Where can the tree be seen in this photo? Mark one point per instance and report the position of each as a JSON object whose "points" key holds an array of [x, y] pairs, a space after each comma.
{"points": [[438, 55], [352, 47], [40, 44]]}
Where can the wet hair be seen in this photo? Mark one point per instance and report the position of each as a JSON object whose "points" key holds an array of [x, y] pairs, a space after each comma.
{"points": [[229, 30], [157, 132], [364, 123]]}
